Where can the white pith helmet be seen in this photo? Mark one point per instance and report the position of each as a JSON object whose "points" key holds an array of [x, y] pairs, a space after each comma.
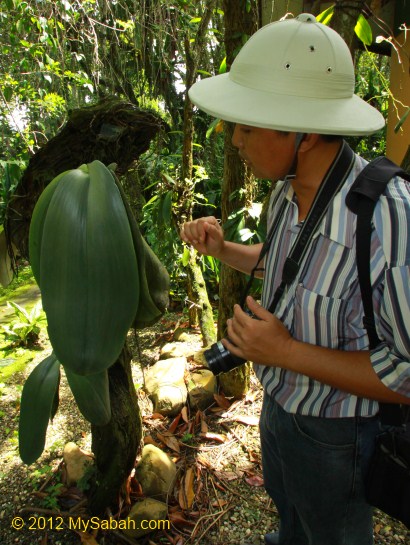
{"points": [[292, 75]]}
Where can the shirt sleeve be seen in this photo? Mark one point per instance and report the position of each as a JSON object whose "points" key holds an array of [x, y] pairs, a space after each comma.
{"points": [[391, 359]]}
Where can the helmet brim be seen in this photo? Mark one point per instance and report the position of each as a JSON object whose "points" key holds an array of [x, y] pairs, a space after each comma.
{"points": [[225, 99]]}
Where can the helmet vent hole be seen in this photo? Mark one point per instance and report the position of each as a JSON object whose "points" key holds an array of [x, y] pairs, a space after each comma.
{"points": [[329, 70], [287, 66], [312, 48]]}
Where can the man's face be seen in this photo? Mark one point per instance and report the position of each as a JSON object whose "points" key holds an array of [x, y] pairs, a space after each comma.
{"points": [[267, 152]]}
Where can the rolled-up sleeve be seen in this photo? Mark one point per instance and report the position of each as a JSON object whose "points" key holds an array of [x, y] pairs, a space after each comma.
{"points": [[391, 359]]}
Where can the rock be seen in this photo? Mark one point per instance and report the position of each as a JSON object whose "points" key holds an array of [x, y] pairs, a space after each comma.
{"points": [[156, 472], [199, 357], [76, 462], [201, 388], [181, 335], [165, 385], [174, 350], [138, 522]]}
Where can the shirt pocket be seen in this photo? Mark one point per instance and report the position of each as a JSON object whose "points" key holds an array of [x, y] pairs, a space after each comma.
{"points": [[324, 321]]}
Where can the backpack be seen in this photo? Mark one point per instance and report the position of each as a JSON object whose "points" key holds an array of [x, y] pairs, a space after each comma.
{"points": [[387, 483], [361, 200]]}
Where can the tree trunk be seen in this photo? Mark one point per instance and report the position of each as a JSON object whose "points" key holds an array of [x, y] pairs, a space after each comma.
{"points": [[238, 24], [115, 445], [198, 297], [200, 310], [345, 18]]}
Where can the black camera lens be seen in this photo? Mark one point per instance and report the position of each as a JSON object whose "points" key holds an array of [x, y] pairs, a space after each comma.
{"points": [[220, 360]]}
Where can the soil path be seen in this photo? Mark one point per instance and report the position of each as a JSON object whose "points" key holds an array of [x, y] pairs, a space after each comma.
{"points": [[26, 299]]}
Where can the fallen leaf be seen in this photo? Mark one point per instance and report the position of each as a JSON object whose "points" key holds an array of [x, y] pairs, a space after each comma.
{"points": [[186, 492], [174, 424], [254, 480], [184, 414], [204, 426], [214, 437], [219, 503], [87, 539], [254, 457], [222, 401], [248, 420], [170, 441], [157, 416], [202, 460], [149, 440], [179, 519]]}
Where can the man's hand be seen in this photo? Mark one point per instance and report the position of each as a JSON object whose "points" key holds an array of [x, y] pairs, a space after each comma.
{"points": [[205, 235], [264, 340]]}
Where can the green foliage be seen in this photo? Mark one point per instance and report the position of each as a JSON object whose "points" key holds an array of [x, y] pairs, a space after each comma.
{"points": [[362, 28], [24, 329], [97, 278], [22, 281], [372, 85], [36, 408], [10, 172], [51, 492]]}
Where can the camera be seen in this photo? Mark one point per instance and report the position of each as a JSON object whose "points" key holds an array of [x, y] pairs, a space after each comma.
{"points": [[220, 360]]}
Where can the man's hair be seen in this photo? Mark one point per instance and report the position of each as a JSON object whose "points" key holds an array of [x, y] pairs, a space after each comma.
{"points": [[325, 137]]}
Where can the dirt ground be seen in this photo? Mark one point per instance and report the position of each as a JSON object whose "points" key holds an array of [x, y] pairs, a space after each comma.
{"points": [[218, 448]]}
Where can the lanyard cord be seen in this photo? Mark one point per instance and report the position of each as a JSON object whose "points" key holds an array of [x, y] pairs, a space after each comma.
{"points": [[331, 184]]}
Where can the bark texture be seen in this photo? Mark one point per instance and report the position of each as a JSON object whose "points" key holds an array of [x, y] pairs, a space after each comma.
{"points": [[239, 24], [111, 131], [116, 445], [200, 310]]}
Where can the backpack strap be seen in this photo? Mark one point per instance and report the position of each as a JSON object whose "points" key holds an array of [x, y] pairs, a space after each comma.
{"points": [[361, 200]]}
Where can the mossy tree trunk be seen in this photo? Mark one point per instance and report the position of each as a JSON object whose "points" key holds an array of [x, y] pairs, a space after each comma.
{"points": [[239, 24], [200, 310], [115, 445]]}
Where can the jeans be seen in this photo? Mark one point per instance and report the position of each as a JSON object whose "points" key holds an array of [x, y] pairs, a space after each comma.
{"points": [[313, 470]]}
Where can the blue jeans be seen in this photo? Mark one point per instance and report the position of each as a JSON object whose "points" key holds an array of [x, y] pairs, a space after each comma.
{"points": [[313, 471]]}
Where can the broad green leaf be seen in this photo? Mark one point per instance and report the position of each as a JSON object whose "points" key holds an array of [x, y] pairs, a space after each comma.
{"points": [[37, 401], [363, 30], [20, 312], [89, 270], [92, 396], [325, 16], [37, 225]]}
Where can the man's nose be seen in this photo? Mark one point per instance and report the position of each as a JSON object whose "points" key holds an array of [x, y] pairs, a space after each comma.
{"points": [[236, 140]]}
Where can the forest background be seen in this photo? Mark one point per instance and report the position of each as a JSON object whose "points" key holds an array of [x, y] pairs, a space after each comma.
{"points": [[60, 60]]}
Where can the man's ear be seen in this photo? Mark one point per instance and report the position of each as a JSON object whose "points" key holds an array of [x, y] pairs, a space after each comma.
{"points": [[309, 141]]}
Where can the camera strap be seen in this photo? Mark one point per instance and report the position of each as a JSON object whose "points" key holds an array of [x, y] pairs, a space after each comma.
{"points": [[331, 184]]}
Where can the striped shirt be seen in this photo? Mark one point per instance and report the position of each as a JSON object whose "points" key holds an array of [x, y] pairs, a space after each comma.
{"points": [[323, 305]]}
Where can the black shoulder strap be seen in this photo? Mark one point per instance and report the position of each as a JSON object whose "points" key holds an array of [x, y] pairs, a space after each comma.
{"points": [[361, 200]]}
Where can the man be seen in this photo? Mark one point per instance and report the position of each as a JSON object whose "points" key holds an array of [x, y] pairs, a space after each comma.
{"points": [[289, 90]]}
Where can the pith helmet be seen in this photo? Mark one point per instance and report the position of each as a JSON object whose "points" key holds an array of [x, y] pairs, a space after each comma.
{"points": [[291, 75]]}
